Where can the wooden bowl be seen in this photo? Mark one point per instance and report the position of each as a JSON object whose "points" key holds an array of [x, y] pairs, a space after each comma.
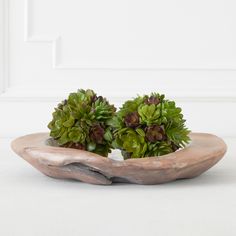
{"points": [[204, 151]]}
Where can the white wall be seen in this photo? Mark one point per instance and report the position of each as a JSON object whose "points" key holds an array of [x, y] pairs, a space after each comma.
{"points": [[185, 49]]}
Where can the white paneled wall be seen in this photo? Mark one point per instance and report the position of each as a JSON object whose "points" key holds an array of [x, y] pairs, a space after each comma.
{"points": [[185, 49]]}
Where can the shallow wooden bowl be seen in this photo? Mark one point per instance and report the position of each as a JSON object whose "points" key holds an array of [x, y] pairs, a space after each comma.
{"points": [[204, 151]]}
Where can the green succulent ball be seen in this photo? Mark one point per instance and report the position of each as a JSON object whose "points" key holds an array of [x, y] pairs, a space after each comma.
{"points": [[149, 125], [82, 121]]}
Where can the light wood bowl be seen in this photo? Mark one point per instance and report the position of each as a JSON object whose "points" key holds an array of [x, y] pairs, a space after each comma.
{"points": [[204, 151]]}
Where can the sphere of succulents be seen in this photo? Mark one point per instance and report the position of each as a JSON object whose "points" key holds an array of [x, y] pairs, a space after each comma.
{"points": [[82, 121], [149, 126]]}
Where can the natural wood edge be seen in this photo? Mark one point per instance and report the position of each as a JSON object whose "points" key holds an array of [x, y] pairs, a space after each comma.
{"points": [[92, 168]]}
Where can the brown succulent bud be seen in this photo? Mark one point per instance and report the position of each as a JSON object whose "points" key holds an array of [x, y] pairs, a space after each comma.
{"points": [[155, 133], [132, 119], [78, 146], [94, 98], [74, 145], [152, 100], [96, 134], [100, 98], [174, 147]]}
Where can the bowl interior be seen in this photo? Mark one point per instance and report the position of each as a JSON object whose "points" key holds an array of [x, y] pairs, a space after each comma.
{"points": [[114, 155]]}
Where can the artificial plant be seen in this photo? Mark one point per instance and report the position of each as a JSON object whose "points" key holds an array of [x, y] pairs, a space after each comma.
{"points": [[82, 121], [149, 125]]}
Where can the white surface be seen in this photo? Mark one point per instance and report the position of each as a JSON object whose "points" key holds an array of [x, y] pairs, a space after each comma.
{"points": [[32, 204], [185, 49], [134, 34]]}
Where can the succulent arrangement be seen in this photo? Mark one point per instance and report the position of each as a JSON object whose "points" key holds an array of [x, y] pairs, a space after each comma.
{"points": [[81, 121], [148, 125]]}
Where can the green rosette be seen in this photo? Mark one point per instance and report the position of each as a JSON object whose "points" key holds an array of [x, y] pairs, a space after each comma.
{"points": [[149, 125], [82, 121]]}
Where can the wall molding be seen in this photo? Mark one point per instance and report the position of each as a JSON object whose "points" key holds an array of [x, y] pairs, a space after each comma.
{"points": [[56, 64], [7, 93], [212, 95]]}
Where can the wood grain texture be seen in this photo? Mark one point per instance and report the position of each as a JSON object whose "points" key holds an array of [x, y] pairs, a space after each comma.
{"points": [[204, 151]]}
